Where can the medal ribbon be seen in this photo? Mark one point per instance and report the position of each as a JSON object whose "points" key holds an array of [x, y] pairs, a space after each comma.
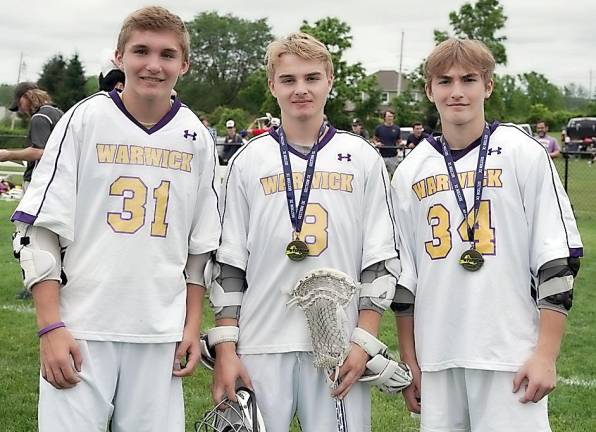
{"points": [[297, 215], [478, 180]]}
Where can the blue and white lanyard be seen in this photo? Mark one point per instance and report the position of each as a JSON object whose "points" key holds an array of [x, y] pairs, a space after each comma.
{"points": [[297, 215]]}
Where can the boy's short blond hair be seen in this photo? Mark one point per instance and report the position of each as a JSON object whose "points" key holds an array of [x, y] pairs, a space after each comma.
{"points": [[155, 18], [469, 53], [302, 45]]}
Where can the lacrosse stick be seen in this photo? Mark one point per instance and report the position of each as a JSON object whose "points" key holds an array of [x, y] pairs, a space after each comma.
{"points": [[322, 295], [228, 416]]}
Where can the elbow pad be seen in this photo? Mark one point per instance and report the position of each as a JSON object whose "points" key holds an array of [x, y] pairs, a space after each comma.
{"points": [[38, 251], [195, 268], [555, 284], [377, 288]]}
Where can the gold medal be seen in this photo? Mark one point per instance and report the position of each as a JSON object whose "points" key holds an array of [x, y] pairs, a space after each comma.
{"points": [[471, 260], [297, 250]]}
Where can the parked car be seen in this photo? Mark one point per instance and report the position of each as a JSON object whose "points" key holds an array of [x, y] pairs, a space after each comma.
{"points": [[580, 134]]}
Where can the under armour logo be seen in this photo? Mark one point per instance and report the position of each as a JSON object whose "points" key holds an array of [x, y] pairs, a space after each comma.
{"points": [[497, 151], [193, 135], [347, 157]]}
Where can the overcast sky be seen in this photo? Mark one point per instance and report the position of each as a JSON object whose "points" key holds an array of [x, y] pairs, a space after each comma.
{"points": [[553, 37]]}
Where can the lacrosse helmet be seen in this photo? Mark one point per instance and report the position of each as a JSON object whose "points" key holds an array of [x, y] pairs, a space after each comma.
{"points": [[228, 416], [207, 352]]}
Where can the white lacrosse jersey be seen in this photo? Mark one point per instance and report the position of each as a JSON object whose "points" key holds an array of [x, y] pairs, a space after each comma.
{"points": [[131, 204], [348, 226], [485, 319]]}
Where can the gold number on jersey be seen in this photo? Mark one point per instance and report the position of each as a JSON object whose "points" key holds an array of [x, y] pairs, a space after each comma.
{"points": [[159, 227], [438, 218], [314, 229], [484, 236], [440, 246], [132, 217]]}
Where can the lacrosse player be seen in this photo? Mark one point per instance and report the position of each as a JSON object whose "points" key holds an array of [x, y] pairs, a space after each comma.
{"points": [[301, 197], [123, 200], [482, 216]]}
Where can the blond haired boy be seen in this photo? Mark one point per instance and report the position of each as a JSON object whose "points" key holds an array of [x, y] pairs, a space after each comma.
{"points": [[347, 226], [122, 202], [482, 216]]}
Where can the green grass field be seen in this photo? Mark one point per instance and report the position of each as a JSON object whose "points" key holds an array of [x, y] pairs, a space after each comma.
{"points": [[571, 405]]}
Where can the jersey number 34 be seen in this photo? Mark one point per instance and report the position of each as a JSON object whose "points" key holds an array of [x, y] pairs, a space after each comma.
{"points": [[441, 243]]}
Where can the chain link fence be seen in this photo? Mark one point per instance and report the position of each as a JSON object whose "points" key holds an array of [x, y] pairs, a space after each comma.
{"points": [[578, 174]]}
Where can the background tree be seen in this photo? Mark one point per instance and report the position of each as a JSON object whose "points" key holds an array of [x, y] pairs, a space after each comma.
{"points": [[225, 51], [6, 94], [540, 90], [52, 77], [350, 83], [481, 20], [64, 81], [74, 82]]}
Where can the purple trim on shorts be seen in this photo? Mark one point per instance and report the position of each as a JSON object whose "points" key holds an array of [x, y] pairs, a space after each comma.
{"points": [[157, 126], [576, 252], [331, 131], [23, 217]]}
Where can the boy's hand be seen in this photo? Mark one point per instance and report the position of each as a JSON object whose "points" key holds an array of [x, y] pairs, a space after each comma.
{"points": [[188, 348], [539, 374], [228, 369], [60, 358], [412, 392], [351, 371]]}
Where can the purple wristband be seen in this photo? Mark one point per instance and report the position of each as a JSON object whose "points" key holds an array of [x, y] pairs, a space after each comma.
{"points": [[50, 327]]}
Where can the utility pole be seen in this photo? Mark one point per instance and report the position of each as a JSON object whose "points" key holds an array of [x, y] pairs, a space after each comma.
{"points": [[401, 56], [20, 67], [590, 95]]}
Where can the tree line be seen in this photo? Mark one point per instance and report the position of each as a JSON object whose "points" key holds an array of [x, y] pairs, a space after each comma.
{"points": [[227, 78]]}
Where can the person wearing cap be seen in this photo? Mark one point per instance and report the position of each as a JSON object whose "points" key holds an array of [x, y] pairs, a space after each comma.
{"points": [[31, 101], [111, 77], [358, 128], [232, 141]]}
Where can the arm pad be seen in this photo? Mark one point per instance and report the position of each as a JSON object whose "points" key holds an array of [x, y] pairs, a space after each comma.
{"points": [[38, 250], [195, 268], [555, 285], [377, 288]]}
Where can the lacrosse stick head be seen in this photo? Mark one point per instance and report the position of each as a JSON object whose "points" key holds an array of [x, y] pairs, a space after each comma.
{"points": [[322, 294], [228, 416]]}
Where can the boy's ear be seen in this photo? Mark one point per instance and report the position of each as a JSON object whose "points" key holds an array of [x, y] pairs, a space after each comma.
{"points": [[490, 85], [429, 92], [184, 69], [118, 59], [271, 86]]}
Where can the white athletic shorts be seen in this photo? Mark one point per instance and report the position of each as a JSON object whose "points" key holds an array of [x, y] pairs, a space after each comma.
{"points": [[131, 383], [464, 400], [288, 384]]}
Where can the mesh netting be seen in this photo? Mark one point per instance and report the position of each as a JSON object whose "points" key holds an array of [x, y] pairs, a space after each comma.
{"points": [[322, 295]]}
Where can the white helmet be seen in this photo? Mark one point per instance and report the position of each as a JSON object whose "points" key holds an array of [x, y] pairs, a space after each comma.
{"points": [[228, 416]]}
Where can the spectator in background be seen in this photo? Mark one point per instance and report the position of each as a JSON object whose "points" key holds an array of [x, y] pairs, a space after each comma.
{"points": [[416, 136], [358, 128], [211, 129], [33, 102], [232, 141], [549, 143], [387, 138], [111, 77]]}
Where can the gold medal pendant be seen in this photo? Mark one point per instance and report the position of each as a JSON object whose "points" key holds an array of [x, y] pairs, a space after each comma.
{"points": [[471, 260], [297, 250]]}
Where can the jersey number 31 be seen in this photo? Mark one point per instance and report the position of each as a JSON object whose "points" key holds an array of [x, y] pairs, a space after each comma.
{"points": [[132, 217]]}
